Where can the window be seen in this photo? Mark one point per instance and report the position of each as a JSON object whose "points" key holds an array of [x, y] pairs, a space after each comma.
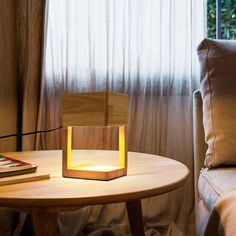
{"points": [[221, 19], [122, 44]]}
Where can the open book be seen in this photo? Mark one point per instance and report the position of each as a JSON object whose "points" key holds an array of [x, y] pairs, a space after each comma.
{"points": [[14, 171]]}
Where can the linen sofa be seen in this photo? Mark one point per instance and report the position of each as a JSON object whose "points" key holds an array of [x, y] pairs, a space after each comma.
{"points": [[214, 125]]}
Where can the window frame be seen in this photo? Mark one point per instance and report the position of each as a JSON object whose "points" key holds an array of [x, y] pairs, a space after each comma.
{"points": [[218, 19]]}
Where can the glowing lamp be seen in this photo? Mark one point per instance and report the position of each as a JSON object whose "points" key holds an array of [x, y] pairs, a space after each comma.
{"points": [[95, 110]]}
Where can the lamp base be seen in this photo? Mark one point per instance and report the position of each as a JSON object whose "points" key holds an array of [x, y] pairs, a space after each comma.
{"points": [[95, 172]]}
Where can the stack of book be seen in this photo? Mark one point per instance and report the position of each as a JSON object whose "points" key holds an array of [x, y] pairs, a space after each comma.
{"points": [[15, 171]]}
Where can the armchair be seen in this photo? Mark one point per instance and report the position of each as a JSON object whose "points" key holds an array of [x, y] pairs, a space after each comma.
{"points": [[214, 130]]}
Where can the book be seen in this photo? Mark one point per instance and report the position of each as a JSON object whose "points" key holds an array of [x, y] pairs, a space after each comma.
{"points": [[15, 171], [10, 166], [24, 178]]}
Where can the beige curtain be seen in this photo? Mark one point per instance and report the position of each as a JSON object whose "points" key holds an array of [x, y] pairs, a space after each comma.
{"points": [[21, 50], [30, 35], [148, 50], [8, 75], [150, 54]]}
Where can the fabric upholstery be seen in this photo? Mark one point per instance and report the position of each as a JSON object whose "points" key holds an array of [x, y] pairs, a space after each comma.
{"points": [[218, 86], [222, 219], [213, 183], [201, 217], [200, 146]]}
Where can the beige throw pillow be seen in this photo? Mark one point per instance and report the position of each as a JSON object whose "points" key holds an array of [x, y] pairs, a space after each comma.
{"points": [[218, 88]]}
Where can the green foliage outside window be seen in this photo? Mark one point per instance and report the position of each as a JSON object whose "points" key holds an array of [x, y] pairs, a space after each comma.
{"points": [[228, 19]]}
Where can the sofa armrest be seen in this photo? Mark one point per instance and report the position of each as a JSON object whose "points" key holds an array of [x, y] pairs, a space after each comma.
{"points": [[199, 144]]}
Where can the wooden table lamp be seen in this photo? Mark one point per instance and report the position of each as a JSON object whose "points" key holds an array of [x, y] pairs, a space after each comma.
{"points": [[98, 110]]}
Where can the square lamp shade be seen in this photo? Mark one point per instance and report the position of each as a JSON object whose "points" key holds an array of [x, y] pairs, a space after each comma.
{"points": [[99, 109]]}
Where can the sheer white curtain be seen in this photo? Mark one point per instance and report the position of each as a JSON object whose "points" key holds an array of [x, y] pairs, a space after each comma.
{"points": [[148, 50], [131, 44]]}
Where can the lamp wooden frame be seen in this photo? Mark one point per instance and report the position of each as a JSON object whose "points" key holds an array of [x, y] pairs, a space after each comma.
{"points": [[94, 109]]}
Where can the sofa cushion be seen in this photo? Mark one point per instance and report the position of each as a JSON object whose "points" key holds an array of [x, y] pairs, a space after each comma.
{"points": [[218, 89], [213, 183]]}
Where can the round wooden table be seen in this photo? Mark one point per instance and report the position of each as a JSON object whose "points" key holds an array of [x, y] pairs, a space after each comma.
{"points": [[148, 175]]}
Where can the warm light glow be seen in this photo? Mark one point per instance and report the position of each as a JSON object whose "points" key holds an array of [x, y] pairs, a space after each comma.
{"points": [[122, 146], [96, 168], [69, 146]]}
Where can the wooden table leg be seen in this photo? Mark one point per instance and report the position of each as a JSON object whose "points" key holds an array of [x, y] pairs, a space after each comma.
{"points": [[45, 224], [134, 209]]}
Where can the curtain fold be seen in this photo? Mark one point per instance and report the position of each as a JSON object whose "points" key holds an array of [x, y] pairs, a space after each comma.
{"points": [[8, 75], [8, 95], [21, 51], [21, 45], [30, 35], [146, 49]]}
